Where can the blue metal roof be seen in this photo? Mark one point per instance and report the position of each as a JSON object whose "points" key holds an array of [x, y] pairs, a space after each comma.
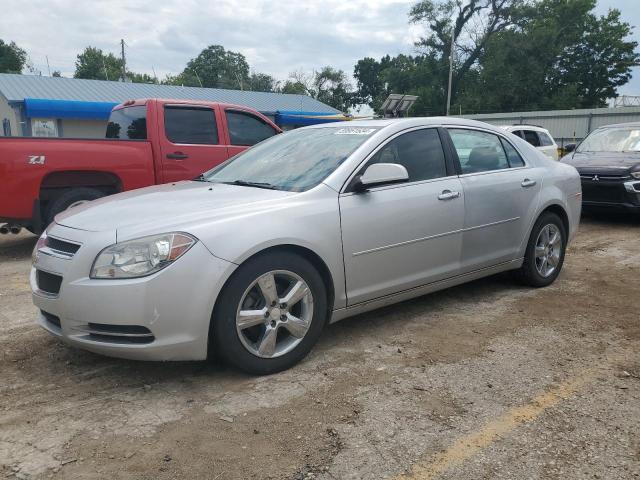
{"points": [[16, 88]]}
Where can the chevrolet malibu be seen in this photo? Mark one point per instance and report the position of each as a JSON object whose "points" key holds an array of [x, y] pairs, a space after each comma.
{"points": [[252, 259]]}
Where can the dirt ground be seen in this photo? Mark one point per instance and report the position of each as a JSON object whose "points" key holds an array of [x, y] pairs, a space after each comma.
{"points": [[488, 380]]}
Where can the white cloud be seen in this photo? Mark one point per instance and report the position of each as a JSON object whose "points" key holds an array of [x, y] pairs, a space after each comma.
{"points": [[276, 37]]}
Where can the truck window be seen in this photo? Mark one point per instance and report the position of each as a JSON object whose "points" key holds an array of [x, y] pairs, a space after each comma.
{"points": [[247, 129], [128, 123], [190, 125]]}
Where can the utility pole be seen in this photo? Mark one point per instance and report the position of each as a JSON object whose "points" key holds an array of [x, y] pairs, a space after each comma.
{"points": [[124, 62], [48, 67], [450, 69]]}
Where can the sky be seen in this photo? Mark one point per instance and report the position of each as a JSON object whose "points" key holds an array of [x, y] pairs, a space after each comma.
{"points": [[277, 37]]}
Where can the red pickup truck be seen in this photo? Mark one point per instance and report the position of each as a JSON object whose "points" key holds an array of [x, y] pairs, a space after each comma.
{"points": [[147, 142]]}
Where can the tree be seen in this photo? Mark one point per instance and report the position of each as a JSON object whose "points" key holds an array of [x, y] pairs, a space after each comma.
{"points": [[474, 23], [140, 77], [600, 61], [558, 56], [328, 85], [94, 64], [262, 82], [12, 58], [56, 73], [214, 67]]}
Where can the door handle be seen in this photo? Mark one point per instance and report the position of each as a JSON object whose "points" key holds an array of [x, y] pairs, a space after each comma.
{"points": [[448, 195], [177, 156], [526, 183]]}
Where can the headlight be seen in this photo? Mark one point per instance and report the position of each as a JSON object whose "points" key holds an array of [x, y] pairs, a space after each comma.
{"points": [[636, 174], [42, 241], [142, 256]]}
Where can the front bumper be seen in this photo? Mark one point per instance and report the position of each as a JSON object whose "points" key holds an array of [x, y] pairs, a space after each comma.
{"points": [[609, 192], [172, 308]]}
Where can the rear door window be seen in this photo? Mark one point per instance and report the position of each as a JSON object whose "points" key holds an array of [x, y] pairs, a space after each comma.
{"points": [[190, 125], [246, 129], [478, 151], [531, 137], [129, 123]]}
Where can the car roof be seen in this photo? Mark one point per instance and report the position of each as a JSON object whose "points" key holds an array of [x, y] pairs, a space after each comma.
{"points": [[402, 123], [628, 124], [523, 126]]}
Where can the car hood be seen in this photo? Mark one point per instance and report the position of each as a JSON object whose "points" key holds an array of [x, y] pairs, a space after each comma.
{"points": [[590, 161], [170, 205]]}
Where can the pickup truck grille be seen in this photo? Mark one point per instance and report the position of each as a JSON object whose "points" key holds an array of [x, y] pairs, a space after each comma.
{"points": [[62, 246], [48, 282]]}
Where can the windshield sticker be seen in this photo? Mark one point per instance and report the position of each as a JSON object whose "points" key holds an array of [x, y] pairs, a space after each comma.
{"points": [[355, 131]]}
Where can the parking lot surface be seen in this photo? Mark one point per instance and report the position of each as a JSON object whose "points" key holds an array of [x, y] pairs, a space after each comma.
{"points": [[486, 380]]}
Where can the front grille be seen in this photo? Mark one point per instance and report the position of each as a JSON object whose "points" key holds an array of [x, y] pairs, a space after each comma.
{"points": [[604, 178], [122, 334], [62, 246], [51, 318], [595, 192], [48, 282]]}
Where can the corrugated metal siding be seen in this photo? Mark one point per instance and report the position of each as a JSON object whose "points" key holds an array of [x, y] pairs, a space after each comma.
{"points": [[564, 125], [16, 88]]}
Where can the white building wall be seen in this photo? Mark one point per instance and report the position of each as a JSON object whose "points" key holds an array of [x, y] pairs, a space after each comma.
{"points": [[6, 111], [83, 128]]}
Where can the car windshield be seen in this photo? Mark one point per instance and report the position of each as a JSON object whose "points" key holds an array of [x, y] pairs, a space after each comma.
{"points": [[295, 161], [612, 140]]}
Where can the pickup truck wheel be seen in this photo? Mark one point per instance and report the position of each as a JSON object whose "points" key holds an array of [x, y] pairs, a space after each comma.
{"points": [[69, 199], [270, 313]]}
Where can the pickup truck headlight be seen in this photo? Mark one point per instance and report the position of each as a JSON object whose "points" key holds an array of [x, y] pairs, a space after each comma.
{"points": [[141, 257]]}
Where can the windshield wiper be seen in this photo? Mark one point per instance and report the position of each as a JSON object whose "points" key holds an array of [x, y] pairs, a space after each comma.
{"points": [[200, 178], [245, 183]]}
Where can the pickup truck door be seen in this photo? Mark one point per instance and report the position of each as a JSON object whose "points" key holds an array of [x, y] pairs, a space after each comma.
{"points": [[191, 141], [245, 129]]}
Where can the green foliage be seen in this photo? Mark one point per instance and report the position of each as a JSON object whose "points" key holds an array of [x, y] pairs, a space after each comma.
{"points": [[214, 67], [511, 55], [12, 58], [94, 64], [261, 82]]}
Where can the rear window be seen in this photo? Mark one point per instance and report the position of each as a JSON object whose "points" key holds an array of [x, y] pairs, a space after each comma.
{"points": [[545, 140], [129, 123]]}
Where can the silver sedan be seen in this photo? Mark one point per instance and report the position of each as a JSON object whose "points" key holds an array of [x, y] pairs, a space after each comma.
{"points": [[252, 259]]}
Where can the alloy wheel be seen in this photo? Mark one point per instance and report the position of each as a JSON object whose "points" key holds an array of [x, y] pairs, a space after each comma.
{"points": [[274, 314], [548, 250]]}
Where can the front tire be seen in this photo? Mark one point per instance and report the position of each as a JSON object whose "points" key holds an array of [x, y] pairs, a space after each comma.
{"points": [[545, 252], [270, 313]]}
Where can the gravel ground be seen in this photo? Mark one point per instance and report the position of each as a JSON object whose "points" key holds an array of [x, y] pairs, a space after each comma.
{"points": [[486, 380]]}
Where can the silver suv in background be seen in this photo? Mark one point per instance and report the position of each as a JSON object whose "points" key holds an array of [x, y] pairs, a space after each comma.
{"points": [[537, 136]]}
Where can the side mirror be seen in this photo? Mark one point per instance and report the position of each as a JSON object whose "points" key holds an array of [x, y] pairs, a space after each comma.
{"points": [[570, 147], [381, 174]]}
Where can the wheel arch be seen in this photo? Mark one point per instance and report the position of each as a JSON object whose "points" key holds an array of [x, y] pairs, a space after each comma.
{"points": [[560, 212], [55, 181], [308, 254]]}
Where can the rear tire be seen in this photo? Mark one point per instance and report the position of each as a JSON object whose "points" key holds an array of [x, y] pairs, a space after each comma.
{"points": [[543, 258], [68, 199], [243, 348]]}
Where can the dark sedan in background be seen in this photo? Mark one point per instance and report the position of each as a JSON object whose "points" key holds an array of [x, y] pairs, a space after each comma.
{"points": [[608, 161]]}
